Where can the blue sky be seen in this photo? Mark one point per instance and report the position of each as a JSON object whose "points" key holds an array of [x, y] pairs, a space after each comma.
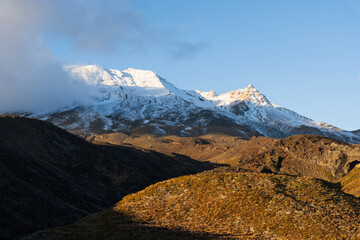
{"points": [[303, 55]]}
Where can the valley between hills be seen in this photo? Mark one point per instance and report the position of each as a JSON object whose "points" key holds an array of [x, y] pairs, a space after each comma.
{"points": [[57, 185]]}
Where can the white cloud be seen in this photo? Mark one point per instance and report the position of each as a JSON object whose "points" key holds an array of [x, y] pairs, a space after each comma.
{"points": [[31, 78]]}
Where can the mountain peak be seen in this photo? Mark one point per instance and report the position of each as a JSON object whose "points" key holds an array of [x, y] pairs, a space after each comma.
{"points": [[131, 77], [249, 94], [208, 95], [144, 78], [213, 93], [141, 71], [250, 87]]}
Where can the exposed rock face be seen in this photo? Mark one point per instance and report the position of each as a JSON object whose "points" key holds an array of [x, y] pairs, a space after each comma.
{"points": [[50, 177], [239, 108], [312, 156]]}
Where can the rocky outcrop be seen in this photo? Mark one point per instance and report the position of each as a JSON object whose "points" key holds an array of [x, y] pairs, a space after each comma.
{"points": [[312, 156]]}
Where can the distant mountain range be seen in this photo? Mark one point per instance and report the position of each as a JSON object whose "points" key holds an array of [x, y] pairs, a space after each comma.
{"points": [[139, 101]]}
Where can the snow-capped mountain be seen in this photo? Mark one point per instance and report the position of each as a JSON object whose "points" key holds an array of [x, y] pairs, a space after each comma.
{"points": [[140, 101]]}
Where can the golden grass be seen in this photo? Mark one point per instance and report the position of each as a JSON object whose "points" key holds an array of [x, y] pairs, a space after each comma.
{"points": [[247, 203], [226, 205], [351, 182]]}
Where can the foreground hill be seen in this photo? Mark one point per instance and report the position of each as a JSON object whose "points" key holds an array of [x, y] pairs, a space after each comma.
{"points": [[50, 177], [219, 204], [139, 101]]}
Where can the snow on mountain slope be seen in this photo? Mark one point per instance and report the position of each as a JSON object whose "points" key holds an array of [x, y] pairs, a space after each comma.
{"points": [[139, 100], [250, 105], [132, 99], [249, 94]]}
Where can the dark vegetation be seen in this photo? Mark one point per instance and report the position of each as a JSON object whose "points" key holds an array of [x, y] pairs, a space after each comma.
{"points": [[50, 177]]}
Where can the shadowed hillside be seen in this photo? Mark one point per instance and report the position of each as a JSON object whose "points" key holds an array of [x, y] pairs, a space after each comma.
{"points": [[50, 177], [218, 204]]}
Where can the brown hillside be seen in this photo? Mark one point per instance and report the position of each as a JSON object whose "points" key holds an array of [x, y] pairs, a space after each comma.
{"points": [[304, 155], [312, 156], [211, 147], [50, 177], [227, 205]]}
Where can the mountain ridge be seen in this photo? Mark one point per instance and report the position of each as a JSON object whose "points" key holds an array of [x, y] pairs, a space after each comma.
{"points": [[135, 98]]}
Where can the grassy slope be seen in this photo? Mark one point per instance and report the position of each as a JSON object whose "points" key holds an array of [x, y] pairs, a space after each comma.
{"points": [[351, 182], [228, 205]]}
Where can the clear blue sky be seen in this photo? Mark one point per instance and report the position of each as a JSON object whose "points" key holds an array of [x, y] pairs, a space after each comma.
{"points": [[303, 55]]}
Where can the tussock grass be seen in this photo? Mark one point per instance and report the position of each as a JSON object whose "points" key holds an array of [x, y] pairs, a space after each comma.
{"points": [[226, 205], [248, 203], [351, 182]]}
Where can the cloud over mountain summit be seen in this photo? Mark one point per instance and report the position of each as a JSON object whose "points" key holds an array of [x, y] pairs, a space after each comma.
{"points": [[31, 77]]}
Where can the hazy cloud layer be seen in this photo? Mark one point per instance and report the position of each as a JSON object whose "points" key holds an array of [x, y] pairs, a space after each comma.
{"points": [[186, 50], [109, 26], [31, 78]]}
